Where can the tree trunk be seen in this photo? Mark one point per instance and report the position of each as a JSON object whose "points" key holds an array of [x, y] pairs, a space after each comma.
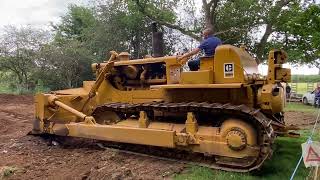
{"points": [[261, 45], [209, 13]]}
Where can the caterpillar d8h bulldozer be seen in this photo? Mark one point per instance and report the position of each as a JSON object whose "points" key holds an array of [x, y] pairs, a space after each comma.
{"points": [[225, 111]]}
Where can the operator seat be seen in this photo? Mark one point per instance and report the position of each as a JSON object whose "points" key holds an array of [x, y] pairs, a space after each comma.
{"points": [[204, 75]]}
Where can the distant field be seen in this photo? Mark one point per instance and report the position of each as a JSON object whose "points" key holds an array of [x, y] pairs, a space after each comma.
{"points": [[299, 107], [302, 88]]}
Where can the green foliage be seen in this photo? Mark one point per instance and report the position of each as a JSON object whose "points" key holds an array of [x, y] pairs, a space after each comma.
{"points": [[4, 89], [120, 27], [261, 25], [64, 65], [305, 78], [19, 49], [75, 24], [310, 35], [300, 28], [236, 29], [41, 88], [162, 10]]}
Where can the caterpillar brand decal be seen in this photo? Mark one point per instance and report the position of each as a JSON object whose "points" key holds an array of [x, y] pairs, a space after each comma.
{"points": [[228, 70]]}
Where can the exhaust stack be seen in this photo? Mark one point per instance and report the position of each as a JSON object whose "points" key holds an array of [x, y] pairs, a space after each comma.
{"points": [[157, 41]]}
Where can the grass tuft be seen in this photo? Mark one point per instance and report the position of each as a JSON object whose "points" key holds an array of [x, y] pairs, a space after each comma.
{"points": [[299, 107], [7, 171], [287, 152]]}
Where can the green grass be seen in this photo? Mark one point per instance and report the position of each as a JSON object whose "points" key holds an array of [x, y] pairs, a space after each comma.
{"points": [[298, 106], [280, 166], [287, 152], [4, 89]]}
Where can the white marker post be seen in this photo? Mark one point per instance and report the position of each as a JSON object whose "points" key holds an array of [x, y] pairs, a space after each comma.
{"points": [[316, 173]]}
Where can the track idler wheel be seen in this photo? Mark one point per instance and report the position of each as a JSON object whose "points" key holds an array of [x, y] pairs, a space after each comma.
{"points": [[236, 139], [238, 135]]}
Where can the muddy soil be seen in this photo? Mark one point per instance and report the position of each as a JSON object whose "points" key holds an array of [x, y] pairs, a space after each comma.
{"points": [[34, 157]]}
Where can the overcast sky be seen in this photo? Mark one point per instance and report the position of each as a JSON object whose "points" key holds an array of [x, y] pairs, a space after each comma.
{"points": [[34, 12], [41, 12]]}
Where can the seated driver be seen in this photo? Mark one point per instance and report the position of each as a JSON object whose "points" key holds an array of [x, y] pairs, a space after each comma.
{"points": [[208, 45]]}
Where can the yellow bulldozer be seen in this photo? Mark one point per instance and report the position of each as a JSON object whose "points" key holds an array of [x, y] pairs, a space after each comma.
{"points": [[225, 111]]}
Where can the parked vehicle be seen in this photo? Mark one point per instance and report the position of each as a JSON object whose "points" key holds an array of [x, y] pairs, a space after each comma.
{"points": [[308, 98]]}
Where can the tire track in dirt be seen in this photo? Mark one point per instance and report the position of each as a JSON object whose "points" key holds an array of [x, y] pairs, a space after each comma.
{"points": [[36, 158]]}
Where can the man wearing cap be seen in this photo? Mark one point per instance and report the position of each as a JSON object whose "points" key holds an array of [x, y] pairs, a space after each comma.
{"points": [[208, 45]]}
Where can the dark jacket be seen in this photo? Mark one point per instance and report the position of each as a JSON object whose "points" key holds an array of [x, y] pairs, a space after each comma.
{"points": [[317, 93]]}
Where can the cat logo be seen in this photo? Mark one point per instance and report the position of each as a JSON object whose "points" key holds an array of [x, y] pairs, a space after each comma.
{"points": [[228, 70]]}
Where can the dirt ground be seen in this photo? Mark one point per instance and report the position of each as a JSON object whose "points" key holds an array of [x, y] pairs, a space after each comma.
{"points": [[33, 157], [300, 119]]}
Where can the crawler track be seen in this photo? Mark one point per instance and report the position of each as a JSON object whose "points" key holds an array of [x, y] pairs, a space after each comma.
{"points": [[265, 132]]}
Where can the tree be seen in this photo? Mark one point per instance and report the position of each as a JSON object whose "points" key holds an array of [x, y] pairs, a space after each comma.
{"points": [[18, 52], [301, 36], [234, 21], [164, 13], [75, 24], [64, 65], [122, 27], [114, 25], [66, 61]]}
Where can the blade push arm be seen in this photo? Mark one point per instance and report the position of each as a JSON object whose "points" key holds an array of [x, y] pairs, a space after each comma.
{"points": [[103, 74]]}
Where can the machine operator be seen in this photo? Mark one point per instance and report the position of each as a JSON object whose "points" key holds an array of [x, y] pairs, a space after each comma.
{"points": [[208, 45]]}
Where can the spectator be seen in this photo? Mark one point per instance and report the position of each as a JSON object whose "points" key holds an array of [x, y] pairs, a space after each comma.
{"points": [[317, 96], [288, 91]]}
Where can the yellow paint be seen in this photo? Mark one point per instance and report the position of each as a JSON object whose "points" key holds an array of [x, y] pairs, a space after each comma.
{"points": [[222, 79], [197, 77]]}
